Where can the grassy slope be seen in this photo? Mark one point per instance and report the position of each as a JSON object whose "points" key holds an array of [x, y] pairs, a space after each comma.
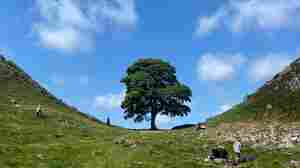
{"points": [[30, 142], [285, 102]]}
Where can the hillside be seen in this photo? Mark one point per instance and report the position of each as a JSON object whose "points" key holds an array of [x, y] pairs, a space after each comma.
{"points": [[65, 138], [25, 138], [277, 100]]}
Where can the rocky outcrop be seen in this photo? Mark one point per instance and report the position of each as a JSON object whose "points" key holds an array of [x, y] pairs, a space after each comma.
{"points": [[270, 136], [288, 79], [294, 164], [278, 99]]}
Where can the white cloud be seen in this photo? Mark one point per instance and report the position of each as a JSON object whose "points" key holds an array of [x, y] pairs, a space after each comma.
{"points": [[208, 24], [221, 109], [267, 66], [162, 119], [267, 15], [7, 52], [224, 108], [67, 39], [218, 67], [84, 80], [109, 101], [124, 13], [69, 25]]}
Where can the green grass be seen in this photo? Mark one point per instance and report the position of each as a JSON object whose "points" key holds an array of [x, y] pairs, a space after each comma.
{"points": [[281, 93], [67, 139], [285, 109]]}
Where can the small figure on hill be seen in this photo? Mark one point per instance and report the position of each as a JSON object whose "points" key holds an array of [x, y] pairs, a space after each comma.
{"points": [[38, 111], [237, 148], [108, 121]]}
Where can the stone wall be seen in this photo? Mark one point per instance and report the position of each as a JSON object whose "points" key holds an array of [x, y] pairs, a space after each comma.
{"points": [[272, 135]]}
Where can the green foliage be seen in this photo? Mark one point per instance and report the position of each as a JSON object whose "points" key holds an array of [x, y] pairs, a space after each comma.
{"points": [[152, 88]]}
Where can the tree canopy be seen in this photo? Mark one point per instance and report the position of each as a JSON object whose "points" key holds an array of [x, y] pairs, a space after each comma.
{"points": [[152, 89]]}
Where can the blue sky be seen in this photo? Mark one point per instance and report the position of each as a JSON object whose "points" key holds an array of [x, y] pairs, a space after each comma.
{"points": [[80, 49]]}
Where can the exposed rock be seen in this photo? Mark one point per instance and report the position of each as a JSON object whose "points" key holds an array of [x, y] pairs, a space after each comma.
{"points": [[40, 156], [295, 139], [286, 143], [269, 107], [128, 142], [272, 136], [294, 164], [206, 160], [120, 140], [133, 146], [13, 101]]}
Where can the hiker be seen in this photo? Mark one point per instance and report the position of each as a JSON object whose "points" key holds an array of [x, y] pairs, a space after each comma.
{"points": [[38, 111], [237, 148], [108, 121]]}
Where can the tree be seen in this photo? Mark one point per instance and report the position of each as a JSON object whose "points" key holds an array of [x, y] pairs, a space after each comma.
{"points": [[152, 89]]}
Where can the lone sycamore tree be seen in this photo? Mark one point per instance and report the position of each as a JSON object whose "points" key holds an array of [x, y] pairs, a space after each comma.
{"points": [[152, 89]]}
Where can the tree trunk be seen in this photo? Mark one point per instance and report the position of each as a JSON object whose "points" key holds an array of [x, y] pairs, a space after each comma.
{"points": [[153, 118], [153, 115]]}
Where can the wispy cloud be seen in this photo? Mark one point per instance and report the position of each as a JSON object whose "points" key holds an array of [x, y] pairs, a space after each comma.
{"points": [[241, 15], [162, 120], [266, 67], [216, 67], [7, 52], [209, 24], [69, 25], [220, 110], [223, 108], [109, 102]]}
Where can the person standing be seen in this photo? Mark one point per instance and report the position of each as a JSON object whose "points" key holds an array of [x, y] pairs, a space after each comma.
{"points": [[237, 148], [108, 121], [38, 111]]}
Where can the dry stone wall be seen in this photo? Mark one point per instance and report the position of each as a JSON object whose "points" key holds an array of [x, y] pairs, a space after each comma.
{"points": [[271, 136]]}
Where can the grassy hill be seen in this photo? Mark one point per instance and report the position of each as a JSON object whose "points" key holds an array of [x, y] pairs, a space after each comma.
{"points": [[66, 138], [277, 100]]}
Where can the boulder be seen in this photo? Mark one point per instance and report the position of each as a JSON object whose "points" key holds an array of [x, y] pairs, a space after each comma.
{"points": [[294, 164], [218, 153], [269, 107]]}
